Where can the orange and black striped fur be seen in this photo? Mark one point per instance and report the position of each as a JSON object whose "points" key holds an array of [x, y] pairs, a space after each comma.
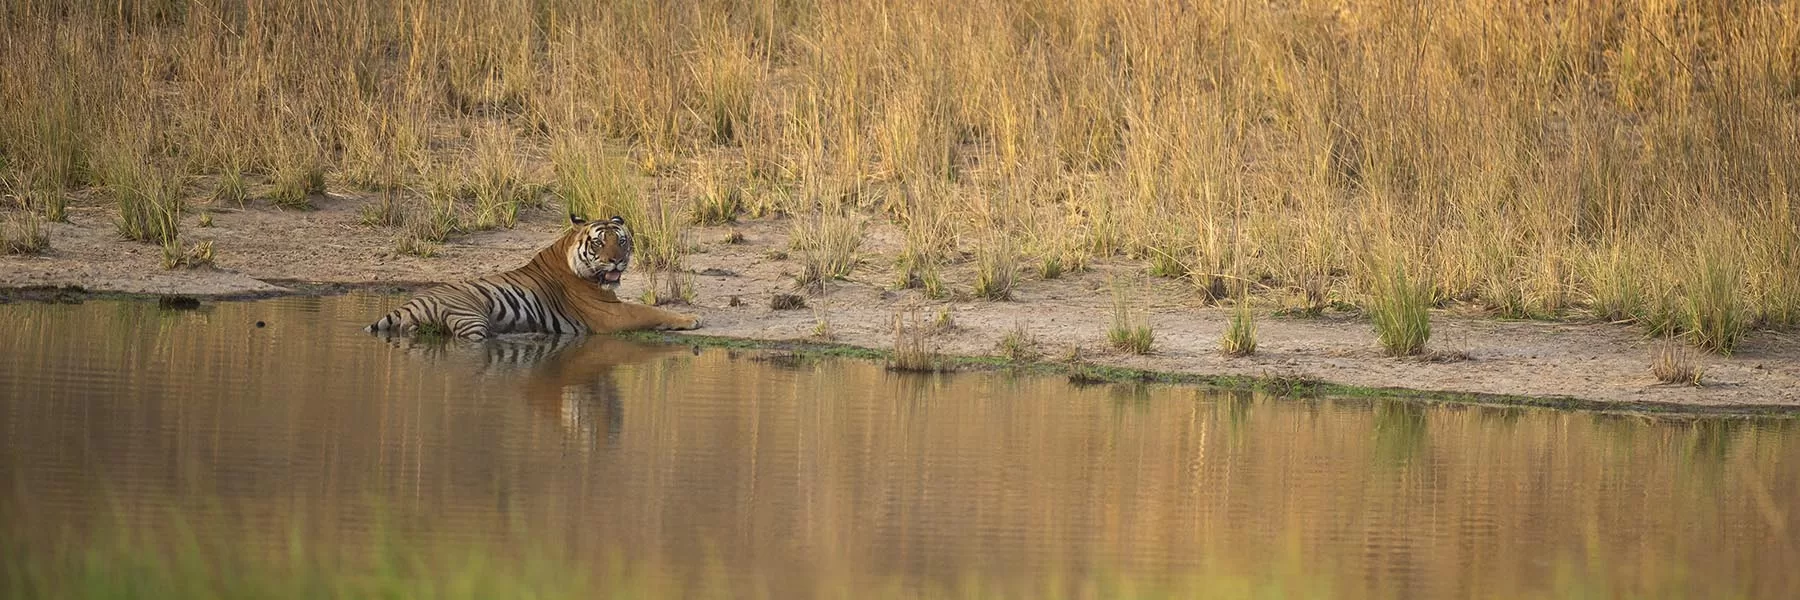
{"points": [[568, 288]]}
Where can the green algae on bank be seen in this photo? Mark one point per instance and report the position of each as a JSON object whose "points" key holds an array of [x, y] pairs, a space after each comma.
{"points": [[1291, 386]]}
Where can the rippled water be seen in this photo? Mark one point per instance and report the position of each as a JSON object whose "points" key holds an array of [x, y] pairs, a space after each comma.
{"points": [[784, 471]]}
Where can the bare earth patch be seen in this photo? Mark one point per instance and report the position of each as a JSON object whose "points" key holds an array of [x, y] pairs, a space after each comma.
{"points": [[1474, 354]]}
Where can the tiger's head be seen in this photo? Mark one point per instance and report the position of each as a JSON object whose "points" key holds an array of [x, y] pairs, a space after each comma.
{"points": [[601, 250]]}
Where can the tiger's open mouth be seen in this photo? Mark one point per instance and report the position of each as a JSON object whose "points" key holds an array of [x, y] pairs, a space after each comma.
{"points": [[610, 277]]}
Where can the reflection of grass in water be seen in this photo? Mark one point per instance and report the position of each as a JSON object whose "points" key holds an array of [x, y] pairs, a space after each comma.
{"points": [[1503, 417], [1710, 439], [1399, 431], [1706, 446], [1132, 394], [128, 567], [1237, 411], [172, 561]]}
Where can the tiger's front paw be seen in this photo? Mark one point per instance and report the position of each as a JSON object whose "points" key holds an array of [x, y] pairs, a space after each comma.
{"points": [[683, 323]]}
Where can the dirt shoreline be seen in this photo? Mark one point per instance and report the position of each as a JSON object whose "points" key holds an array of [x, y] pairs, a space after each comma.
{"points": [[265, 252]]}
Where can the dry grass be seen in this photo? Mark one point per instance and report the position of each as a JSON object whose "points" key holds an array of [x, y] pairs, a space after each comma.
{"points": [[719, 197], [930, 239], [593, 183], [23, 232], [665, 288], [496, 179], [232, 187], [385, 212], [659, 236], [827, 245], [196, 256], [1018, 345], [996, 269], [912, 351], [1714, 315], [1530, 157], [1674, 363], [295, 185], [415, 245], [822, 328]]}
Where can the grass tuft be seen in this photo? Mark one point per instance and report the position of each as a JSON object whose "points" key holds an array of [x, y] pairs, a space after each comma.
{"points": [[196, 256], [827, 244], [822, 328], [1018, 345], [1399, 311], [296, 184], [1240, 334], [996, 269], [1050, 266], [1713, 314], [719, 199], [929, 241], [23, 233], [385, 212], [593, 183], [232, 187], [911, 351], [1130, 331], [497, 181], [676, 287], [149, 204], [1673, 363], [660, 238], [1617, 291], [414, 245]]}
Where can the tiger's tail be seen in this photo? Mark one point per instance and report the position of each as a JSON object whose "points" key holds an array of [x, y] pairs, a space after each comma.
{"points": [[391, 321]]}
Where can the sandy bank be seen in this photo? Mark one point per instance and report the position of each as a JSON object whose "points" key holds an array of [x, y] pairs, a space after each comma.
{"points": [[1590, 361]]}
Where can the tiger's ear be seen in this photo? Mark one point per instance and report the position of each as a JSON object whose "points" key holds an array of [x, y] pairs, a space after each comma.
{"points": [[617, 220], [575, 219]]}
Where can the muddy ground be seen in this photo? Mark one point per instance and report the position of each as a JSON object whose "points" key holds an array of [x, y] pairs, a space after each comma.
{"points": [[1592, 361]]}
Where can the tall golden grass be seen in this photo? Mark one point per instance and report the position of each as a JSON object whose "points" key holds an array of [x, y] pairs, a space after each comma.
{"points": [[1541, 159]]}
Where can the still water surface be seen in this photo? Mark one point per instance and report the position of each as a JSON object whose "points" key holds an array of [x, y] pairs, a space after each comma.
{"points": [[779, 472]]}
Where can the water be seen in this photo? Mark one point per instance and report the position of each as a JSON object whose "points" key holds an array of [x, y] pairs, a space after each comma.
{"points": [[782, 472]]}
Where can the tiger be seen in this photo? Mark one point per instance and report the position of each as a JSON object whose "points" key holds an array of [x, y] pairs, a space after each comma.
{"points": [[569, 288]]}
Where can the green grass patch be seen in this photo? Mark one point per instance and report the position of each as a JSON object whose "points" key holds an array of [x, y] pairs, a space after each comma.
{"points": [[1399, 311], [1130, 330], [1240, 333]]}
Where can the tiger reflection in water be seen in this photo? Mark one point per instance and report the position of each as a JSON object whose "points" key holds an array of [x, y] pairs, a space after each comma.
{"points": [[576, 384], [566, 380]]}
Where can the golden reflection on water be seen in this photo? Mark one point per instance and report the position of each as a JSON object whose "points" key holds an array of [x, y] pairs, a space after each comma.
{"points": [[837, 470]]}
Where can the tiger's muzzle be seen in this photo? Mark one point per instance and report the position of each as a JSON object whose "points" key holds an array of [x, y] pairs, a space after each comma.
{"points": [[609, 276]]}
